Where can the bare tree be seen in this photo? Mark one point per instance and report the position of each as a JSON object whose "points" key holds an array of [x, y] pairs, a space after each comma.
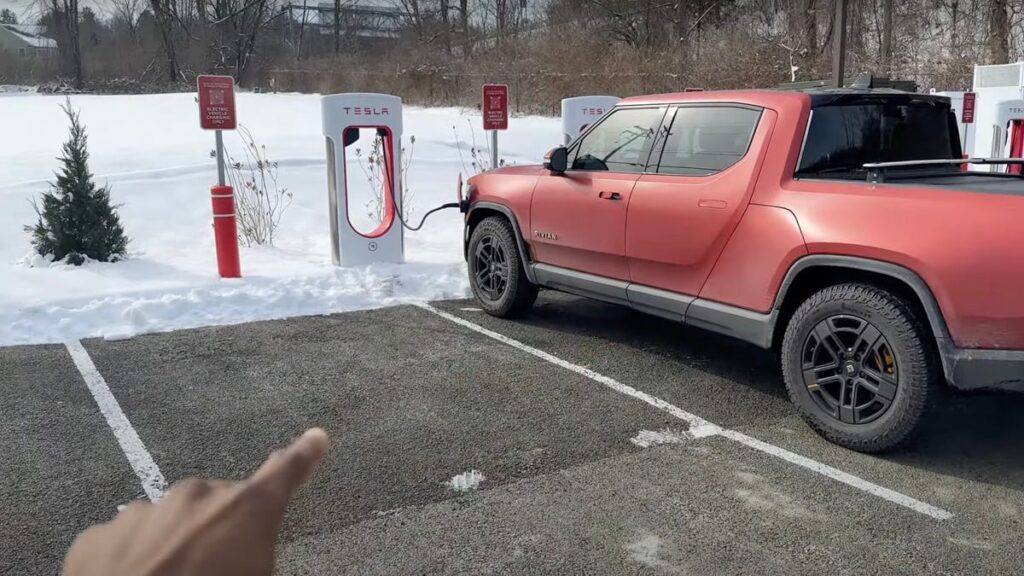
{"points": [[337, 27], [886, 49], [683, 27], [68, 9], [239, 24], [998, 32], [127, 12], [302, 32], [412, 14], [467, 35], [446, 26], [162, 14]]}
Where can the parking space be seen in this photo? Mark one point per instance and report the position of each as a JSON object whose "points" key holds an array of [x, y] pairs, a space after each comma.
{"points": [[572, 417], [60, 467]]}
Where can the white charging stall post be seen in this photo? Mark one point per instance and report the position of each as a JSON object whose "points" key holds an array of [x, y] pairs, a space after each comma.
{"points": [[343, 116], [996, 86], [580, 112], [1008, 134]]}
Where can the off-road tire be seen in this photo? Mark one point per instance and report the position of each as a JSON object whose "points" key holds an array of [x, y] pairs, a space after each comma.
{"points": [[917, 374], [519, 293]]}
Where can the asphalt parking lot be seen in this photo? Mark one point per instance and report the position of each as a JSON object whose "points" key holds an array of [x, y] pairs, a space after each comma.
{"points": [[608, 442]]}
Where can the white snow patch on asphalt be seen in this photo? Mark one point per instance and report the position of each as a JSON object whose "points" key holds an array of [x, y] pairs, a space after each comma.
{"points": [[466, 481], [648, 438], [160, 173]]}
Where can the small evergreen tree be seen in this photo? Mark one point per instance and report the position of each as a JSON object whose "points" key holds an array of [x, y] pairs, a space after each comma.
{"points": [[77, 220]]}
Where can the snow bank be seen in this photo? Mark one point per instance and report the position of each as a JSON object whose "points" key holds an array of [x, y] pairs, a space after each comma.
{"points": [[151, 152]]}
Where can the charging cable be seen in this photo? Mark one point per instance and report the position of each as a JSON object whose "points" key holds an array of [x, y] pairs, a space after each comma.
{"points": [[394, 201], [424, 219]]}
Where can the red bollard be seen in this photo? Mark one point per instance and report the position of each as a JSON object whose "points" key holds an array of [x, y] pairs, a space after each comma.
{"points": [[225, 231]]}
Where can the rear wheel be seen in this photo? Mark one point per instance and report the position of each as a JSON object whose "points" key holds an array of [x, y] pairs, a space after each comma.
{"points": [[858, 365], [496, 272]]}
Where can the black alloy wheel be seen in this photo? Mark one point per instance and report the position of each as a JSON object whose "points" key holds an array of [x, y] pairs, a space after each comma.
{"points": [[491, 267], [497, 273], [850, 369], [860, 365]]}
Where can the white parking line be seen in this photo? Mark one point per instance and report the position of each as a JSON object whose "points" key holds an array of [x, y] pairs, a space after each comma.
{"points": [[701, 428], [141, 462]]}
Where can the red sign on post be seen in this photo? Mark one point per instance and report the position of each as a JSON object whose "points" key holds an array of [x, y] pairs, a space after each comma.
{"points": [[217, 103], [495, 107], [967, 114]]}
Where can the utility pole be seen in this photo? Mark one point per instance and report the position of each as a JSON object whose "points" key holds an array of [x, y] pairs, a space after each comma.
{"points": [[839, 45]]}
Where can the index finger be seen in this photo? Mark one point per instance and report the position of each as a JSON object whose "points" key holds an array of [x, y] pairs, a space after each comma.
{"points": [[291, 467]]}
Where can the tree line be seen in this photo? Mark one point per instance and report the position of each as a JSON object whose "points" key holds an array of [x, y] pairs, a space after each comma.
{"points": [[440, 51]]}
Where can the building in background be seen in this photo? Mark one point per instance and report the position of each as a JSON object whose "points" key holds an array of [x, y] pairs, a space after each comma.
{"points": [[359, 18], [26, 40]]}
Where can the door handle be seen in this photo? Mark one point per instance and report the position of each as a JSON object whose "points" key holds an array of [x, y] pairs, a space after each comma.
{"points": [[609, 195]]}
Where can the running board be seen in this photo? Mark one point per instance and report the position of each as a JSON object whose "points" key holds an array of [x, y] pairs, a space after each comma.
{"points": [[740, 323]]}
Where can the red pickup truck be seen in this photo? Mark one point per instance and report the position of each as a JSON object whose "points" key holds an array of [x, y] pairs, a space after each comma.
{"points": [[837, 227]]}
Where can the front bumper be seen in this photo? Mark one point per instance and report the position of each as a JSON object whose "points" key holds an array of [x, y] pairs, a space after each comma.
{"points": [[971, 369]]}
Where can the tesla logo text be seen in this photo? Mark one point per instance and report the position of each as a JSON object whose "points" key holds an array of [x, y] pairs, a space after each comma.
{"points": [[545, 235], [593, 111], [366, 111]]}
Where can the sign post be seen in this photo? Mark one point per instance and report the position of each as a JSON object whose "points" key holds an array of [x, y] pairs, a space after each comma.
{"points": [[217, 113], [495, 111], [967, 114], [967, 118]]}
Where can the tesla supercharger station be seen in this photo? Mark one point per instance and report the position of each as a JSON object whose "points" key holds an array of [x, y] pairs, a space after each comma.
{"points": [[996, 86], [580, 112], [1008, 134], [343, 116]]}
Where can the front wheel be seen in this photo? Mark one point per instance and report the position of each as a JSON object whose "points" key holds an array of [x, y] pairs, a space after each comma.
{"points": [[496, 272], [858, 365]]}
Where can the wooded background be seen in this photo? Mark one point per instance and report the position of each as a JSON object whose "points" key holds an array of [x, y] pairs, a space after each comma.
{"points": [[443, 50]]}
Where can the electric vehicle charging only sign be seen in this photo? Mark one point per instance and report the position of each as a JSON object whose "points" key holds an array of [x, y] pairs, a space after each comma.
{"points": [[967, 114], [217, 103], [495, 107]]}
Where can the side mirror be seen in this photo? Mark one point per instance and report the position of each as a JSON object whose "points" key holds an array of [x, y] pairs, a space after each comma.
{"points": [[557, 160]]}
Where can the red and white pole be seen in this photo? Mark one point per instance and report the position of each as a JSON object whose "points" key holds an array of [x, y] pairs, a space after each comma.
{"points": [[225, 223], [217, 113], [225, 231]]}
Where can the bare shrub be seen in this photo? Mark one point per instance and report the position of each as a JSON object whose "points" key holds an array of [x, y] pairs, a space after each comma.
{"points": [[372, 165], [260, 201], [479, 156]]}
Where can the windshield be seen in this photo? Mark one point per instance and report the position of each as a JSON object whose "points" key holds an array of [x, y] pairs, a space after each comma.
{"points": [[843, 137]]}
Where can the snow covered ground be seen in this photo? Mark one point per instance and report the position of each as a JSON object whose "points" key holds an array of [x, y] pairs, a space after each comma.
{"points": [[157, 162]]}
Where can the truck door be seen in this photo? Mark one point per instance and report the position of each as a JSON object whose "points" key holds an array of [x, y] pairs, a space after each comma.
{"points": [[579, 217], [703, 173]]}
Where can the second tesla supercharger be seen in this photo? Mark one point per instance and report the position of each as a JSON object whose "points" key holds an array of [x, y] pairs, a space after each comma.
{"points": [[580, 112], [1008, 134], [343, 116]]}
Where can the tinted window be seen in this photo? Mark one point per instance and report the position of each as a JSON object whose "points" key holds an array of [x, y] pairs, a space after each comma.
{"points": [[620, 143], [842, 138], [704, 140]]}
